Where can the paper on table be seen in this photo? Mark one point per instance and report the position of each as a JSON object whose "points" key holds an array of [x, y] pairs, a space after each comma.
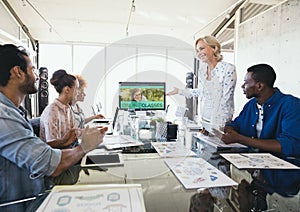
{"points": [[218, 133], [196, 173], [115, 197], [172, 149], [217, 142], [120, 141], [193, 126], [257, 161]]}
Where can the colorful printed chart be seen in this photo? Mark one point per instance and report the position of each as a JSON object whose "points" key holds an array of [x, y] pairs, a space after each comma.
{"points": [[172, 149], [118, 198], [257, 161], [196, 173]]}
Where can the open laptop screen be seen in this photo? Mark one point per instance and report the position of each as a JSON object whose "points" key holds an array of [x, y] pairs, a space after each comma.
{"points": [[115, 118]]}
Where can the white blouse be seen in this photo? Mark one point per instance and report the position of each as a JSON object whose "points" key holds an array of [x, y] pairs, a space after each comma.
{"points": [[216, 102]]}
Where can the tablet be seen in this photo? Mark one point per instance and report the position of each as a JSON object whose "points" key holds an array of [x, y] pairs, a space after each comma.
{"points": [[102, 160], [102, 121]]}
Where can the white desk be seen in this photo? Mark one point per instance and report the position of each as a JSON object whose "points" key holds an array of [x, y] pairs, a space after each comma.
{"points": [[161, 189]]}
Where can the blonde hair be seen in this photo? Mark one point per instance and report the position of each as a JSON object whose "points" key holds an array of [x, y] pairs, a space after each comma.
{"points": [[214, 43], [82, 82]]}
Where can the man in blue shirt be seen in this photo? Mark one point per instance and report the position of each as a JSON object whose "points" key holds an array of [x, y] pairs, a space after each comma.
{"points": [[269, 122], [25, 160]]}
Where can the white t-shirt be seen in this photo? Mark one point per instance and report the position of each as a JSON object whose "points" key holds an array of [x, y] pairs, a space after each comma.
{"points": [[259, 124]]}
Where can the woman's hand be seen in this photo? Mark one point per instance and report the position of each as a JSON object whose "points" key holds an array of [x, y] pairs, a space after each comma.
{"points": [[99, 116]]}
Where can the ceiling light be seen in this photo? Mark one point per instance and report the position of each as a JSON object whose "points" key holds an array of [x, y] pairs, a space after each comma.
{"points": [[132, 10]]}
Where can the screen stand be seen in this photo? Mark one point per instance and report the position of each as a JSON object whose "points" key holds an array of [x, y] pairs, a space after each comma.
{"points": [[138, 113], [150, 113], [141, 113], [131, 112]]}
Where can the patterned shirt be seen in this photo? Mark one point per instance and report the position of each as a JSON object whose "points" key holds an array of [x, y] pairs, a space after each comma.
{"points": [[56, 120], [79, 116], [216, 102]]}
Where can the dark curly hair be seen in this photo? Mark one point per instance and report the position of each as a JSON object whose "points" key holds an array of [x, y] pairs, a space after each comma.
{"points": [[263, 73], [11, 56]]}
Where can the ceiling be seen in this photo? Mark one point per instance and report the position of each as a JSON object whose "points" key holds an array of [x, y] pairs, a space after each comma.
{"points": [[107, 21]]}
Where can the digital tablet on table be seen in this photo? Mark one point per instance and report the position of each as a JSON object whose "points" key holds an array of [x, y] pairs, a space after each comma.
{"points": [[102, 160]]}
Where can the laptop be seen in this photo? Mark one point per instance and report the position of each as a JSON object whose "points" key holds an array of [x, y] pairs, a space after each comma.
{"points": [[106, 123], [113, 124]]}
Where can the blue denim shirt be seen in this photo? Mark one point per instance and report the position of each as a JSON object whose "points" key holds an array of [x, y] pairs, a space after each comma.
{"points": [[281, 121], [24, 159]]}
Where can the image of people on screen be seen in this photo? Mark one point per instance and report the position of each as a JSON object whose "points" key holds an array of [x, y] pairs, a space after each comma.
{"points": [[142, 96], [137, 95]]}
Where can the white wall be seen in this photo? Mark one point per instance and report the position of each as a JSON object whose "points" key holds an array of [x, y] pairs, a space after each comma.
{"points": [[273, 38], [138, 58]]}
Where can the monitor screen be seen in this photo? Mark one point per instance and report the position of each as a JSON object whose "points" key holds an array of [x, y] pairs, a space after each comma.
{"points": [[142, 95]]}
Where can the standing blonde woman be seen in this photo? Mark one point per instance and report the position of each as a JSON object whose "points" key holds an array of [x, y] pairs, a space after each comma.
{"points": [[217, 80]]}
